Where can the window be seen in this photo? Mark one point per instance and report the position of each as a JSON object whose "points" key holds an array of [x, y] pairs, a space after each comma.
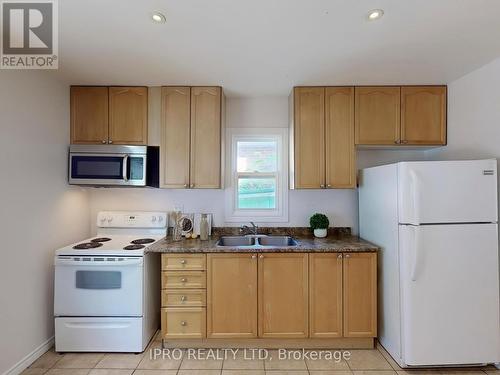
{"points": [[257, 183]]}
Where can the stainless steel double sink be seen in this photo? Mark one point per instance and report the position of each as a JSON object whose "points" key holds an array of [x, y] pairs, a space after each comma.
{"points": [[257, 241]]}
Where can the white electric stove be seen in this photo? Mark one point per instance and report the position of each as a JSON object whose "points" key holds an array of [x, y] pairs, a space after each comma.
{"points": [[104, 296]]}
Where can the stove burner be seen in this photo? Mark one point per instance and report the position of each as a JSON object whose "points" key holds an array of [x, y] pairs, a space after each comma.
{"points": [[87, 245], [101, 239], [141, 241], [133, 247]]}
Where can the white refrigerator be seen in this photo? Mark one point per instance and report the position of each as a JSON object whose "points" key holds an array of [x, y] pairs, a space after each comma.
{"points": [[436, 224]]}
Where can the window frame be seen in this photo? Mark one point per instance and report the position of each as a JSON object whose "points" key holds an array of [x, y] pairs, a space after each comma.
{"points": [[232, 212]]}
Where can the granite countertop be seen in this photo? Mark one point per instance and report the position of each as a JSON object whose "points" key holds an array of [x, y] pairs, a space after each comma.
{"points": [[337, 241]]}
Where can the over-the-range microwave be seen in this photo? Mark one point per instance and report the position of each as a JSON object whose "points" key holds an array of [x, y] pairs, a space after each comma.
{"points": [[114, 165]]}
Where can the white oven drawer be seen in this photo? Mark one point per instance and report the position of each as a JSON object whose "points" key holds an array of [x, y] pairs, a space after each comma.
{"points": [[95, 286], [99, 335]]}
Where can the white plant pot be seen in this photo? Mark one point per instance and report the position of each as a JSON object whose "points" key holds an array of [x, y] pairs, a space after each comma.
{"points": [[320, 233]]}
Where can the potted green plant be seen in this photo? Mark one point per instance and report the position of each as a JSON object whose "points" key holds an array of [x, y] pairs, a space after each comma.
{"points": [[319, 224]]}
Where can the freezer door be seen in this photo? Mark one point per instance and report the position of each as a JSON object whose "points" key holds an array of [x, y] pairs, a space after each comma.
{"points": [[447, 192], [450, 294]]}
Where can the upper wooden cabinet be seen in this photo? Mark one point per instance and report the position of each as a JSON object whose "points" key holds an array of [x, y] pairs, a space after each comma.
{"points": [[283, 295], [192, 137], [89, 115], [407, 115], [325, 295], [128, 115], [231, 295], [423, 115], [102, 115], [323, 154], [360, 294], [378, 115]]}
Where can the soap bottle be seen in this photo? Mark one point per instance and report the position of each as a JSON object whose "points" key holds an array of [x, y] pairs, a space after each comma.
{"points": [[203, 227]]}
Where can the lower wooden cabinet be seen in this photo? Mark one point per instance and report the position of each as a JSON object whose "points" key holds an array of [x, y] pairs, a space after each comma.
{"points": [[232, 295], [283, 295], [360, 294], [269, 295], [325, 295]]}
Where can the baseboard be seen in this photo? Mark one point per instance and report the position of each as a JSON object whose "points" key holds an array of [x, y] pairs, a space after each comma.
{"points": [[30, 358]]}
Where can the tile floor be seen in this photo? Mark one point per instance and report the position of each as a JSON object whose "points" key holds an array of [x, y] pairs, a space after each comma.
{"points": [[361, 362]]}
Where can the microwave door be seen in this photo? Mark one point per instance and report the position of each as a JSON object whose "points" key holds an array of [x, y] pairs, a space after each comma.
{"points": [[98, 169]]}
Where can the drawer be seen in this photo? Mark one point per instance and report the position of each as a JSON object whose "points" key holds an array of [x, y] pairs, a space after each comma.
{"points": [[180, 262], [183, 298], [185, 323], [183, 279]]}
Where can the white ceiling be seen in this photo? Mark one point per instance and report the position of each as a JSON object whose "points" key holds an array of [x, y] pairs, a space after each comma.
{"points": [[265, 47]]}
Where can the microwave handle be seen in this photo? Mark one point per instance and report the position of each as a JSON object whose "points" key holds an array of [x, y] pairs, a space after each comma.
{"points": [[124, 168]]}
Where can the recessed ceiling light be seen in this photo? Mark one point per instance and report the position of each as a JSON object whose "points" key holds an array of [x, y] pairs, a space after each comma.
{"points": [[158, 17], [375, 14]]}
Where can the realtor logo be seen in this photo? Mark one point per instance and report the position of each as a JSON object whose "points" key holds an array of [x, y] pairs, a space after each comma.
{"points": [[29, 34]]}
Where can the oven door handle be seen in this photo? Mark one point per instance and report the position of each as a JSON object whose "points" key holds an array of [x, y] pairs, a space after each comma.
{"points": [[99, 263], [124, 168]]}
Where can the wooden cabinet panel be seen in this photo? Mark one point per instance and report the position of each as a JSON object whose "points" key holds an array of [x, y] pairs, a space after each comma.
{"points": [[309, 137], [183, 323], [283, 295], [128, 115], [377, 115], [423, 115], [339, 136], [183, 262], [89, 115], [175, 136], [183, 279], [205, 171], [232, 295], [325, 295], [360, 294]]}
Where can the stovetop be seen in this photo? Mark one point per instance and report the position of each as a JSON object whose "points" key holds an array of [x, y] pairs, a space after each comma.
{"points": [[117, 244]]}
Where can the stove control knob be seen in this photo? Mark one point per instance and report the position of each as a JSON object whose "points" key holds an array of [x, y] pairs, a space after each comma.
{"points": [[153, 219], [160, 218], [110, 219]]}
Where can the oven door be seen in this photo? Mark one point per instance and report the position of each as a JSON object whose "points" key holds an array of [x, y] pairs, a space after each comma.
{"points": [[107, 169], [98, 286]]}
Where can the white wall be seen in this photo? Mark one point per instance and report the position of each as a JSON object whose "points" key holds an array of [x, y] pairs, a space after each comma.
{"points": [[340, 205], [38, 211]]}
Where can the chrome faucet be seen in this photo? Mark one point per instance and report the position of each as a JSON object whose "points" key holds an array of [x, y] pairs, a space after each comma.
{"points": [[246, 229]]}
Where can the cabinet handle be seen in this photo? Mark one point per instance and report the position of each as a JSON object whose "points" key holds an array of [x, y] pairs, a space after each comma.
{"points": [[183, 298], [339, 256], [186, 185], [192, 186], [104, 141], [397, 141], [183, 261], [322, 186], [110, 141], [183, 280], [183, 323], [328, 186], [261, 256], [347, 256], [405, 142], [254, 256]]}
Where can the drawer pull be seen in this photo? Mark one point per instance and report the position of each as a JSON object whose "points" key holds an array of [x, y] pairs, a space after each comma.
{"points": [[183, 261], [339, 256], [183, 298], [183, 323], [183, 280]]}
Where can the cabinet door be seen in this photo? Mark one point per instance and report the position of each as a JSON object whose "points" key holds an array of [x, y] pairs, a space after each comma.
{"points": [[339, 135], [423, 115], [377, 116], [205, 137], [175, 136], [309, 137], [360, 294], [128, 115], [325, 295], [89, 115], [232, 295], [283, 295]]}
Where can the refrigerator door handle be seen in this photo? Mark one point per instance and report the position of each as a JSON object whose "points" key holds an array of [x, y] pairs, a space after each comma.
{"points": [[416, 245], [415, 184]]}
